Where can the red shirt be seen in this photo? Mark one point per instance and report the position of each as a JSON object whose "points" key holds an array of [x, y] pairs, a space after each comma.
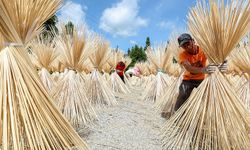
{"points": [[120, 67]]}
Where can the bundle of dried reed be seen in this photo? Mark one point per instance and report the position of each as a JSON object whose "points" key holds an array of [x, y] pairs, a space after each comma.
{"points": [[70, 94], [43, 55], [117, 85], [70, 98], [241, 59], [98, 90], [167, 102], [161, 58], [29, 120], [213, 117]]}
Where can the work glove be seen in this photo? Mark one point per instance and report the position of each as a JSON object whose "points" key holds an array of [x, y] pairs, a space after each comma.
{"points": [[210, 69], [223, 67]]}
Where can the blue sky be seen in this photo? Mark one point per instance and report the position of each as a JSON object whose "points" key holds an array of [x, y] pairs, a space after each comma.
{"points": [[128, 22]]}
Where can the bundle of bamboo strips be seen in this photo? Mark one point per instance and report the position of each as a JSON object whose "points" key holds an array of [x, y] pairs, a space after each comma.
{"points": [[241, 59], [70, 97], [1, 42], [43, 56], [146, 68], [213, 117], [98, 90], [167, 102], [117, 85], [173, 68], [160, 57], [127, 61], [70, 94], [29, 120], [136, 81]]}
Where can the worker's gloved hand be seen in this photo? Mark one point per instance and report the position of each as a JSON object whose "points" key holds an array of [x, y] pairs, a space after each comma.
{"points": [[210, 69], [223, 67]]}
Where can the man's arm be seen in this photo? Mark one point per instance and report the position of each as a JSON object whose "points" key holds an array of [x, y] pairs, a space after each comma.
{"points": [[193, 69]]}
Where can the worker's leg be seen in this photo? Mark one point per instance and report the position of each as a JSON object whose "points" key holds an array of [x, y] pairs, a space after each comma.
{"points": [[185, 90], [122, 77]]}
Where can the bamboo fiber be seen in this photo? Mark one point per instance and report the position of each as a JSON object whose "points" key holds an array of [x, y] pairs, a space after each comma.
{"points": [[244, 94], [75, 47], [167, 102], [118, 85], [224, 26], [161, 58], [70, 97], [46, 79], [115, 57], [220, 122], [157, 88], [127, 61], [70, 94], [29, 120], [241, 59], [98, 90], [213, 117], [43, 56], [44, 52]]}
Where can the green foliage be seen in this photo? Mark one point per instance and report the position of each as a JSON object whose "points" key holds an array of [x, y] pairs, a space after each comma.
{"points": [[69, 28], [147, 43], [137, 54], [50, 26]]}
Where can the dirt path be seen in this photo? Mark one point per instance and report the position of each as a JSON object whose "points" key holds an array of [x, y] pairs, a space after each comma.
{"points": [[131, 125]]}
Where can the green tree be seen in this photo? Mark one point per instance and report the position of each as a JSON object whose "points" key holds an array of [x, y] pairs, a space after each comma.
{"points": [[137, 54], [69, 28], [50, 26], [129, 51], [147, 43]]}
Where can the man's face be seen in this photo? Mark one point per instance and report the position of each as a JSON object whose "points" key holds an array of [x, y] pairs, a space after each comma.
{"points": [[189, 47]]}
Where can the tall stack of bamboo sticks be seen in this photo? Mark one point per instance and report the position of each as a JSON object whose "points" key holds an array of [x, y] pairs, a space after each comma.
{"points": [[241, 59], [70, 94], [29, 120], [98, 90], [117, 84], [160, 57], [43, 55], [213, 116], [167, 102]]}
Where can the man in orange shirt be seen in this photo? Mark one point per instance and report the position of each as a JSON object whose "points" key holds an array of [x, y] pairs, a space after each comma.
{"points": [[193, 60]]}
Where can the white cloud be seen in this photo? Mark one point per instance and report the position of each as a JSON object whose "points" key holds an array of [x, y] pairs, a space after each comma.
{"points": [[132, 42], [169, 25], [72, 12], [122, 19]]}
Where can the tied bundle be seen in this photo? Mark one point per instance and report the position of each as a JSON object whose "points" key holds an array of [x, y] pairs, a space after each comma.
{"points": [[213, 117]]}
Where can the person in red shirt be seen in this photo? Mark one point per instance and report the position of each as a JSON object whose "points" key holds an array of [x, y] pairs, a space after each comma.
{"points": [[120, 67]]}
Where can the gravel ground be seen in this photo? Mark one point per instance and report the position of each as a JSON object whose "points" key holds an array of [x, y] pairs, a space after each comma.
{"points": [[131, 125]]}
